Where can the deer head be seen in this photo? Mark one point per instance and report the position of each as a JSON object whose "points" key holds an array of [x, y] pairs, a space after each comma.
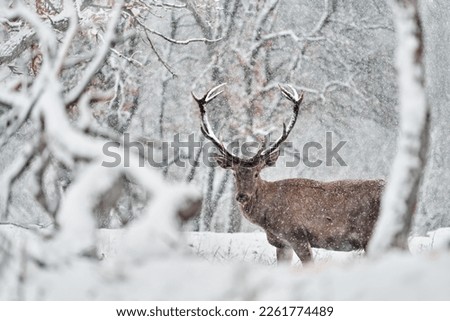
{"points": [[246, 171]]}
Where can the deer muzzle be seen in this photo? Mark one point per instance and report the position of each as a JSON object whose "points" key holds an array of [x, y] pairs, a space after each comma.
{"points": [[242, 198]]}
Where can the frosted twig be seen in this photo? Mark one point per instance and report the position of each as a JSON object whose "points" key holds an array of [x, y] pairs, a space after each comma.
{"points": [[263, 17], [353, 25], [10, 176], [161, 60], [43, 31], [73, 61], [22, 110], [98, 60], [131, 60], [178, 42], [169, 5], [323, 19], [34, 227], [73, 27]]}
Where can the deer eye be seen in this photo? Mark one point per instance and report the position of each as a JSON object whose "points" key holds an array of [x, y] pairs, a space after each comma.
{"points": [[256, 174]]}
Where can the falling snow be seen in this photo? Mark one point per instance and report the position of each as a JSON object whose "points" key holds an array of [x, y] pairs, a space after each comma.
{"points": [[83, 84]]}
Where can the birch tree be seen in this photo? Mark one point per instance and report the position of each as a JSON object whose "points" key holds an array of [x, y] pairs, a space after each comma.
{"points": [[401, 194]]}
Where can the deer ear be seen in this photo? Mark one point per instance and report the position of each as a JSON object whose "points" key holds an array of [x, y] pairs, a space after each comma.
{"points": [[272, 158], [222, 161]]}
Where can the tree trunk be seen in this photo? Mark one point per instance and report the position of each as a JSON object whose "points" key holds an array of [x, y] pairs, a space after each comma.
{"points": [[401, 193]]}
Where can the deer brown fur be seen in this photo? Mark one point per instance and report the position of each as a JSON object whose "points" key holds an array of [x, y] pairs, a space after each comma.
{"points": [[298, 214]]}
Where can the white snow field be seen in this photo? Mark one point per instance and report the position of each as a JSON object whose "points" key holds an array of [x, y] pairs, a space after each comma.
{"points": [[214, 266]]}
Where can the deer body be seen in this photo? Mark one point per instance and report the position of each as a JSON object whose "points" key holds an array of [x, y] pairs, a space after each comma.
{"points": [[298, 214], [302, 213]]}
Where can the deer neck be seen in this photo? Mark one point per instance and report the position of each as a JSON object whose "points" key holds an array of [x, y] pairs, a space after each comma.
{"points": [[250, 208]]}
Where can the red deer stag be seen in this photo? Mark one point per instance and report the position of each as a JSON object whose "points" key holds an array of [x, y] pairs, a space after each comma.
{"points": [[298, 213]]}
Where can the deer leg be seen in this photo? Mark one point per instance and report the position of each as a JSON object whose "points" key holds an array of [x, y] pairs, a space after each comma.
{"points": [[284, 254], [284, 251], [303, 251], [301, 247]]}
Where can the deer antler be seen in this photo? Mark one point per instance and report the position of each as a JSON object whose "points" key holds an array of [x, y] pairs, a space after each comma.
{"points": [[296, 99], [262, 152], [206, 127]]}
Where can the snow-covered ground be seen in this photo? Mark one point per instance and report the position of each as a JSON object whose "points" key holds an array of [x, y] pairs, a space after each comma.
{"points": [[214, 266], [250, 248], [254, 248]]}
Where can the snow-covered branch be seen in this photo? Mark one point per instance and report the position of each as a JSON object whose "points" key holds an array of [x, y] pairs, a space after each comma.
{"points": [[284, 34], [175, 41], [13, 47], [99, 59], [46, 102], [328, 5]]}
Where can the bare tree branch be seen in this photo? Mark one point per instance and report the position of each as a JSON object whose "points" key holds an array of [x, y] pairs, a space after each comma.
{"points": [[98, 60], [174, 41]]}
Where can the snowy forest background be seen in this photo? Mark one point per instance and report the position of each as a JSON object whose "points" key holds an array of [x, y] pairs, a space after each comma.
{"points": [[75, 75]]}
